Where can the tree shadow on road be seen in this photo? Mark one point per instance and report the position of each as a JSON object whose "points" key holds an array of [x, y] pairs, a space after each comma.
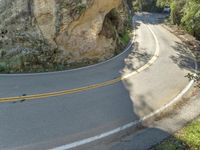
{"points": [[184, 58], [140, 140], [145, 135], [148, 18], [136, 59]]}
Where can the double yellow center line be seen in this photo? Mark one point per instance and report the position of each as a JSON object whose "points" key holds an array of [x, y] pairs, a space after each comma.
{"points": [[60, 93], [89, 87]]}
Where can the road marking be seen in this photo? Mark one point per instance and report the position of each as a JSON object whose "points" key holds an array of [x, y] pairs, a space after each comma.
{"points": [[150, 62], [60, 93], [124, 127], [76, 69], [89, 87], [134, 123]]}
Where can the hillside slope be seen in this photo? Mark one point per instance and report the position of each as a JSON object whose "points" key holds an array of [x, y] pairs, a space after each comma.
{"points": [[50, 34]]}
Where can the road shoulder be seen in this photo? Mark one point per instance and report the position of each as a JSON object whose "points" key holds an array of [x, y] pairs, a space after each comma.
{"points": [[162, 126]]}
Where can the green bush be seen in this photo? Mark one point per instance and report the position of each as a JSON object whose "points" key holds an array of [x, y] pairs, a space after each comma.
{"points": [[2, 67], [125, 38], [177, 11], [185, 13], [191, 18], [162, 3], [147, 5]]}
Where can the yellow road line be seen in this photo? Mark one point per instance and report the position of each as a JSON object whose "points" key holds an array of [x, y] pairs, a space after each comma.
{"points": [[89, 87], [60, 93]]}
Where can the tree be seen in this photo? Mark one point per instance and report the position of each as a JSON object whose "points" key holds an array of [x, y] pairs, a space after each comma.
{"points": [[177, 11], [191, 18], [163, 3], [145, 5]]}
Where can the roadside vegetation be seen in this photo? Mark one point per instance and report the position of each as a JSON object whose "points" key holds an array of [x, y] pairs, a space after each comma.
{"points": [[146, 5], [187, 138], [24, 47], [125, 37], [34, 53], [184, 13]]}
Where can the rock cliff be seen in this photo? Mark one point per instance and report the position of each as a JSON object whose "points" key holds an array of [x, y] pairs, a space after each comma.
{"points": [[38, 34]]}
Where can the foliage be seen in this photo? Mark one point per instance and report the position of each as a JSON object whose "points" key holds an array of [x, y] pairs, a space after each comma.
{"points": [[191, 18], [185, 13], [163, 3], [146, 5], [125, 38], [196, 78], [176, 11], [186, 139]]}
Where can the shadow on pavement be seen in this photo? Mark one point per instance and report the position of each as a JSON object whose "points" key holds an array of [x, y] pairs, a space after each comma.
{"points": [[147, 136], [144, 140], [148, 18], [65, 119], [184, 58], [136, 59]]}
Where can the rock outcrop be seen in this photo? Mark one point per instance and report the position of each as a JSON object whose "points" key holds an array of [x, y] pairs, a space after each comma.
{"points": [[58, 33]]}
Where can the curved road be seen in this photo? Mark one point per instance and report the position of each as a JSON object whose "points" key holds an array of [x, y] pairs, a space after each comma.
{"points": [[44, 123]]}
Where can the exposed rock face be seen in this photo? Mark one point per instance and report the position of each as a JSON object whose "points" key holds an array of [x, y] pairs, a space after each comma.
{"points": [[48, 32]]}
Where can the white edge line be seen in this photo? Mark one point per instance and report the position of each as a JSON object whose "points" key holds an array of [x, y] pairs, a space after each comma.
{"points": [[70, 70], [131, 124], [130, 44], [125, 127], [150, 62]]}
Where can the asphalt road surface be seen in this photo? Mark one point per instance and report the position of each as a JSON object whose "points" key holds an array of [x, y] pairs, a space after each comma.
{"points": [[44, 123]]}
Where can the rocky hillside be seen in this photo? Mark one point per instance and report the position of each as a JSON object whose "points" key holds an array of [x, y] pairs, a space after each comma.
{"points": [[42, 35]]}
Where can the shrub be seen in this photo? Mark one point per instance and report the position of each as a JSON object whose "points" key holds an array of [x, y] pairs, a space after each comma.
{"points": [[191, 18], [177, 11]]}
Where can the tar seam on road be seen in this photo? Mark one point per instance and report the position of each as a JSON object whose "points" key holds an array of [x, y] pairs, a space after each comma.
{"points": [[89, 87]]}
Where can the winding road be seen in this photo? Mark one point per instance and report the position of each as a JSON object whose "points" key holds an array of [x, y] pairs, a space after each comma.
{"points": [[54, 110]]}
